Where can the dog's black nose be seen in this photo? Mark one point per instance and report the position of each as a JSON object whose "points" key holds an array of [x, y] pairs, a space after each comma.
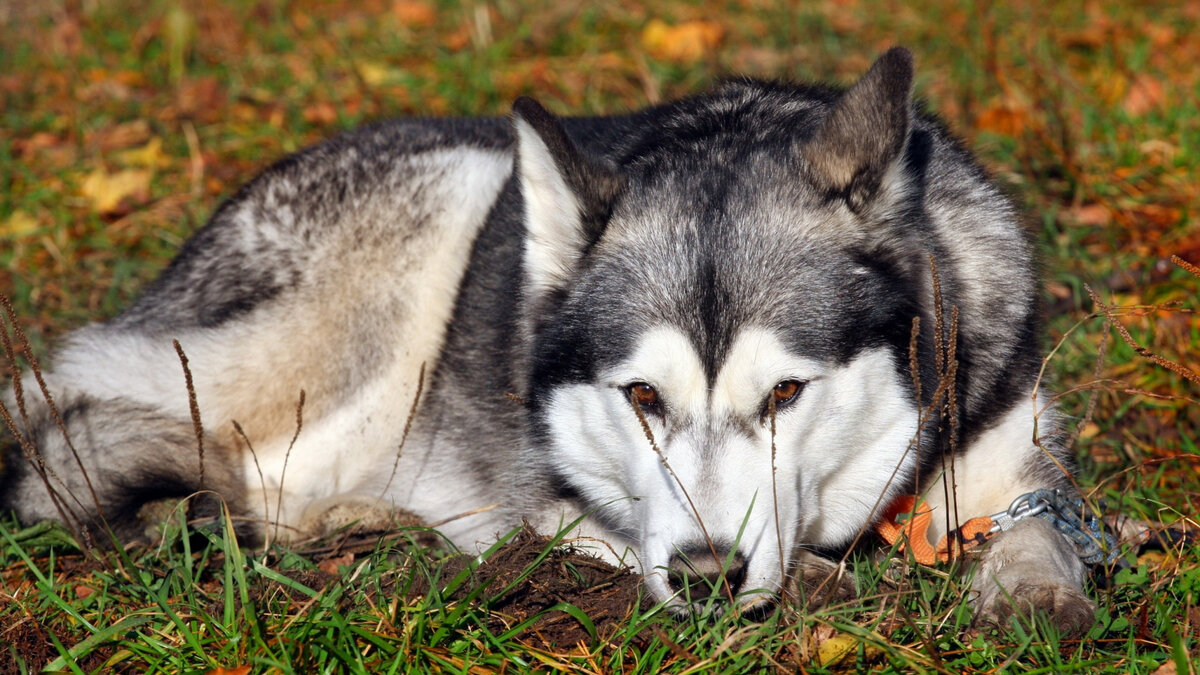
{"points": [[698, 574]]}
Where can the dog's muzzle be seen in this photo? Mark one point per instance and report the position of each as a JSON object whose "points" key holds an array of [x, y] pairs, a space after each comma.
{"points": [[696, 574]]}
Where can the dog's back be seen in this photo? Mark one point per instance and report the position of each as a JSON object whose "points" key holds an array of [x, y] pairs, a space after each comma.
{"points": [[333, 274]]}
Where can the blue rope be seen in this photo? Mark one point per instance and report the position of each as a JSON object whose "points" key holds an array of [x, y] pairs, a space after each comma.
{"points": [[1078, 524]]}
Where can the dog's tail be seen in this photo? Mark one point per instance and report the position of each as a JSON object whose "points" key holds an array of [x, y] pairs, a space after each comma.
{"points": [[96, 464]]}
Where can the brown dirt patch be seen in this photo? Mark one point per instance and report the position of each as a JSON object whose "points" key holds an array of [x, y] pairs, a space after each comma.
{"points": [[607, 595], [26, 640], [516, 586]]}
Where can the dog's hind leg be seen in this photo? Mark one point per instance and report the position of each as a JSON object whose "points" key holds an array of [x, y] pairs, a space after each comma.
{"points": [[108, 461]]}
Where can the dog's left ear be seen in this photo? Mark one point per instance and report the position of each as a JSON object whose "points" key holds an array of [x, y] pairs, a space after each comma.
{"points": [[862, 138], [568, 196]]}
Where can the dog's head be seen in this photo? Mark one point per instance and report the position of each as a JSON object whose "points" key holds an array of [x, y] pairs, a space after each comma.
{"points": [[719, 314]]}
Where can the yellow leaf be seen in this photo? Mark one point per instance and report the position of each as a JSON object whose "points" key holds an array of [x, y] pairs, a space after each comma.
{"points": [[18, 224], [682, 43], [149, 155], [374, 73], [106, 191], [1152, 559], [835, 648]]}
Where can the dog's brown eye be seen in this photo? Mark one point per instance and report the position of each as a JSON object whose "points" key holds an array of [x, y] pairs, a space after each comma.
{"points": [[787, 391], [643, 394]]}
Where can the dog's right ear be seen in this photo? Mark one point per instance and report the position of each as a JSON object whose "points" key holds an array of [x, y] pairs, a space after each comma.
{"points": [[568, 196], [861, 141]]}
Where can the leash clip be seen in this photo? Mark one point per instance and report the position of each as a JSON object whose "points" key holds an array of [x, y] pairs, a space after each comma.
{"points": [[1025, 506], [1069, 516]]}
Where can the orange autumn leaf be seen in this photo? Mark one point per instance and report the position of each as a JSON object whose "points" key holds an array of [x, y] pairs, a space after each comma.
{"points": [[236, 670], [414, 13], [1004, 117], [331, 565], [1145, 94], [321, 112], [681, 43], [1091, 214]]}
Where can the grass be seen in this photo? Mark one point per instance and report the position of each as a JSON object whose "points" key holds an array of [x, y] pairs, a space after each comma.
{"points": [[122, 125]]}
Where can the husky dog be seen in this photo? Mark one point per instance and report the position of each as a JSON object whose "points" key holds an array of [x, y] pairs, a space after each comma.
{"points": [[691, 326]]}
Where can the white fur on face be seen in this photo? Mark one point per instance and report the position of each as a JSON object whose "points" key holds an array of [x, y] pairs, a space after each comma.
{"points": [[839, 446]]}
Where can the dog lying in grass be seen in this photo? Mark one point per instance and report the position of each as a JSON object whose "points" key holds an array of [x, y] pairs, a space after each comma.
{"points": [[722, 334]]}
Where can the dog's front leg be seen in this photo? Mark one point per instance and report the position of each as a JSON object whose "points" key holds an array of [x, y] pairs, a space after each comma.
{"points": [[1028, 568], [816, 581]]}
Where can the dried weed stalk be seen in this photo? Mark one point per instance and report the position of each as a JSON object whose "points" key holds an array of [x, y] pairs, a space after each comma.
{"points": [[262, 482], [412, 414], [783, 591], [1109, 313], [287, 455], [29, 448], [712, 548], [193, 406]]}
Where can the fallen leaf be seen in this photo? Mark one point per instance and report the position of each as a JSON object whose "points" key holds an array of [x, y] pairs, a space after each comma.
{"points": [[18, 223], [1155, 217], [1158, 151], [321, 112], [458, 39], [1007, 118], [67, 36], [236, 670], [106, 191], [375, 74], [203, 98], [25, 147], [1145, 94], [1152, 559], [1167, 668], [1059, 291], [120, 136], [1094, 215], [682, 43], [82, 591], [835, 648], [150, 155], [1161, 35], [331, 565], [414, 13]]}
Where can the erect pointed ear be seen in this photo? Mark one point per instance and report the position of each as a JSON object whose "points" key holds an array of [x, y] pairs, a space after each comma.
{"points": [[568, 197], [864, 135]]}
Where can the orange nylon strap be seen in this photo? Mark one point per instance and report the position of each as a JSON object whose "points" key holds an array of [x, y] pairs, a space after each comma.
{"points": [[907, 520]]}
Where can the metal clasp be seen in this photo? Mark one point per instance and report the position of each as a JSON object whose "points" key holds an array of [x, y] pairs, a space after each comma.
{"points": [[1025, 506]]}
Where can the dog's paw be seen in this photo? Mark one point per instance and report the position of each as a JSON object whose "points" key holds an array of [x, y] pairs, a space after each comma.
{"points": [[357, 514], [817, 582], [1028, 569], [1068, 608]]}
